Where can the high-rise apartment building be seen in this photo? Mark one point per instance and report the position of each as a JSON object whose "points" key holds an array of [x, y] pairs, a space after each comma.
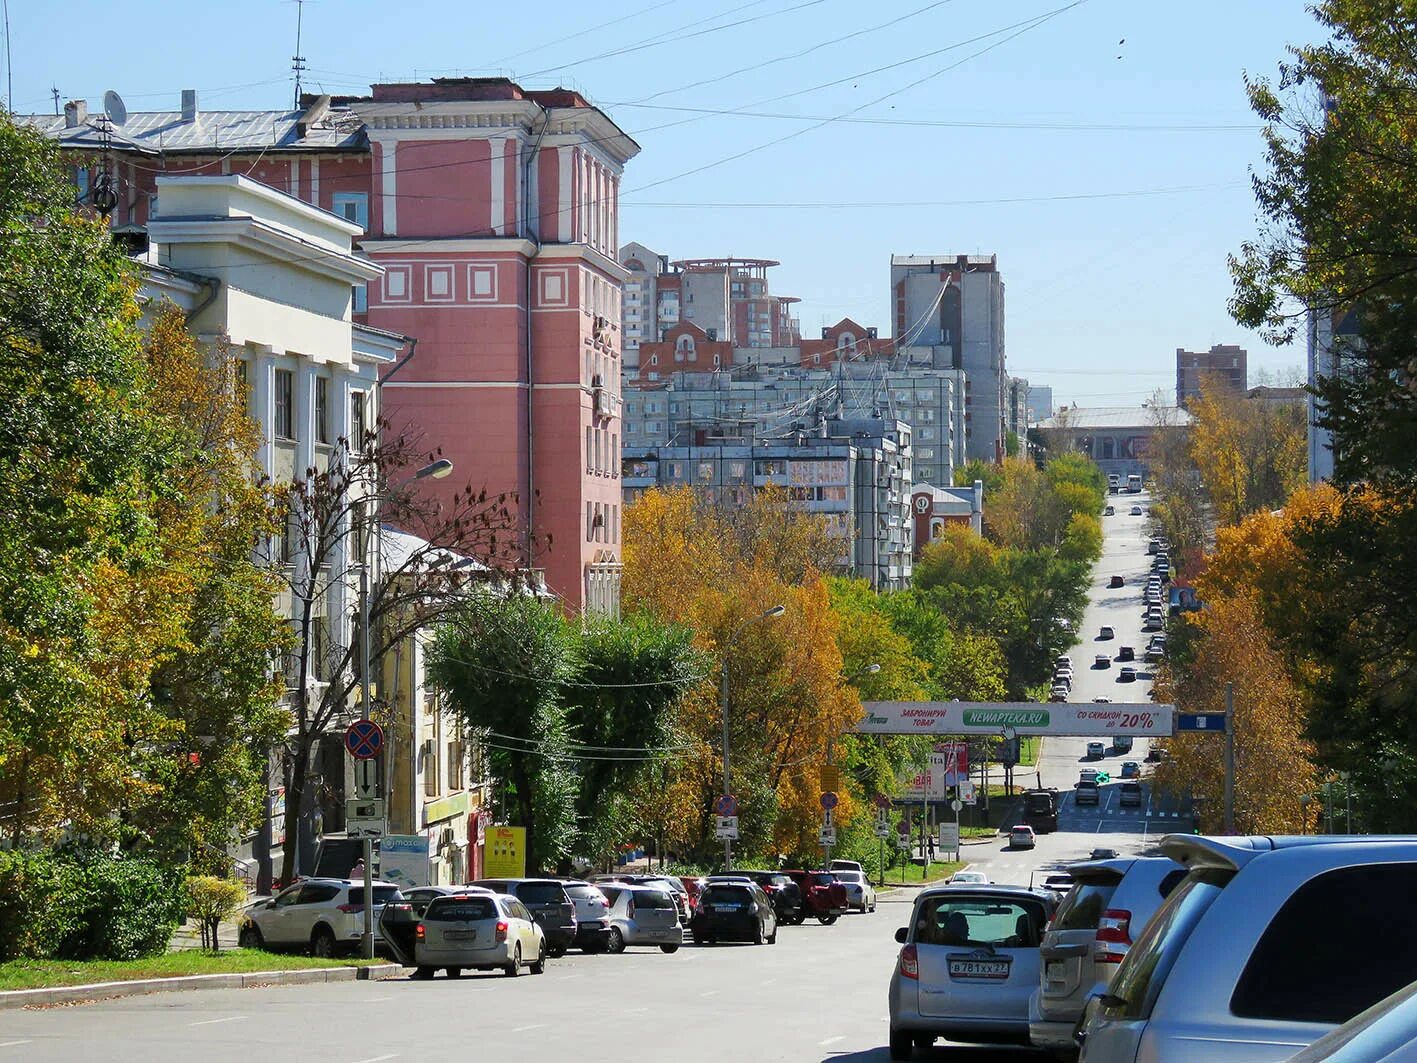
{"points": [[949, 314], [729, 298], [492, 211], [1040, 403], [1225, 362]]}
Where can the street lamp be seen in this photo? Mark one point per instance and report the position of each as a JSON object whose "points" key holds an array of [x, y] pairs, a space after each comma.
{"points": [[776, 610], [435, 470]]}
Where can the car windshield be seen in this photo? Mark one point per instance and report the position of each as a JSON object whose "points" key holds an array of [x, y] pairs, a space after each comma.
{"points": [[541, 893], [983, 921], [449, 909], [382, 894]]}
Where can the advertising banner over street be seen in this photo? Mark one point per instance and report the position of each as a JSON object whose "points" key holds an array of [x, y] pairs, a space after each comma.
{"points": [[1082, 719]]}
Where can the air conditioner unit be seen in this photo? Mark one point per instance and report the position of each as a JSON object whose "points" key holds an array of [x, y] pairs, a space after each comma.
{"points": [[600, 329]]}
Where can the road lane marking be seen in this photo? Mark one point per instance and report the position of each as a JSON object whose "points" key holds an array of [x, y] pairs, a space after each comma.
{"points": [[378, 1059], [14, 1044], [830, 1041], [213, 1022], [533, 1026], [709, 993]]}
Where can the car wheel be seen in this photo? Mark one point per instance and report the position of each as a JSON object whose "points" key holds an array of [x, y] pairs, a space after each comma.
{"points": [[902, 1045], [798, 919], [772, 938], [671, 949], [873, 906], [322, 943], [615, 941], [422, 974], [923, 1042], [250, 938], [556, 953], [757, 933], [453, 972], [699, 939], [826, 920], [515, 967], [539, 967]]}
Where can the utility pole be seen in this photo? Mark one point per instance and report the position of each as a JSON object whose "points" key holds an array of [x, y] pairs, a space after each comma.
{"points": [[1229, 758]]}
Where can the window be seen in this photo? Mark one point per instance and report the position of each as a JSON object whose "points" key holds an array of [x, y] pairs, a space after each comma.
{"points": [[590, 450], [440, 282], [455, 762], [152, 205], [430, 767], [396, 283], [322, 410], [1083, 907], [705, 472], [81, 180], [352, 207], [1348, 905], [285, 404], [614, 458], [980, 922], [589, 521], [356, 420], [361, 299]]}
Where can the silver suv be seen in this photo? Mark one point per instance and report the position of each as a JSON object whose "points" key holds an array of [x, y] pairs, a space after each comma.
{"points": [[1110, 901], [1265, 946]]}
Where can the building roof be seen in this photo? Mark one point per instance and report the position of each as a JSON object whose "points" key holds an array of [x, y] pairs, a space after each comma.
{"points": [[1099, 417], [221, 131]]}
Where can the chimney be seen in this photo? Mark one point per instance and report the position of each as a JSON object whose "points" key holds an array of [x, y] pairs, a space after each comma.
{"points": [[189, 105], [76, 113]]}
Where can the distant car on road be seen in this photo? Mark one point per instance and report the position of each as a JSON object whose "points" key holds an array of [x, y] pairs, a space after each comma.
{"points": [[1110, 511], [1136, 511], [1088, 775], [1058, 695], [1126, 653], [1102, 661], [1102, 854], [1130, 796], [1021, 837], [1102, 701], [1116, 581], [1105, 632], [1152, 623], [1128, 674], [1131, 770], [1153, 547], [1096, 749], [1086, 793], [969, 878]]}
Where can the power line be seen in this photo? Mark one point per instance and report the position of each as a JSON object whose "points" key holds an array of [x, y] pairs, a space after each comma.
{"points": [[581, 33], [597, 749], [684, 682]]}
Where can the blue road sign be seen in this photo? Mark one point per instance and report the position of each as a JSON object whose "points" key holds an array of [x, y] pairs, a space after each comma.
{"points": [[828, 800], [364, 739], [1201, 721], [725, 805]]}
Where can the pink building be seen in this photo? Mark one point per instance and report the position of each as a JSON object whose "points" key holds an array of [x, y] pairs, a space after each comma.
{"points": [[494, 213]]}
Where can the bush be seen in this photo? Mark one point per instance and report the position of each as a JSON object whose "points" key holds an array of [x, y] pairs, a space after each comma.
{"points": [[85, 905], [209, 901]]}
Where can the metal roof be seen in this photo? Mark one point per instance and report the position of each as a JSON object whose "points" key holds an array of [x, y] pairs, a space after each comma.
{"points": [[211, 131], [1082, 417]]}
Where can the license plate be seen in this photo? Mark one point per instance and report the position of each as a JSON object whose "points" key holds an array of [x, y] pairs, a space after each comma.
{"points": [[1057, 971], [460, 935], [725, 907], [991, 969]]}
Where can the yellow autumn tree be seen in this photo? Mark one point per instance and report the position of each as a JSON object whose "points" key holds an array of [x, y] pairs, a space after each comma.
{"points": [[1250, 455]]}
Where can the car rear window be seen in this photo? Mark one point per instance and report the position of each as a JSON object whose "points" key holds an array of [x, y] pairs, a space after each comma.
{"points": [[582, 893], [1344, 940], [1149, 961], [653, 899], [382, 894], [725, 895], [612, 893], [823, 880], [1083, 907], [449, 909], [978, 921], [541, 893]]}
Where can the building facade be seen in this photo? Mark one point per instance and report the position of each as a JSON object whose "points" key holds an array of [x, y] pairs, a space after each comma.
{"points": [[492, 214], [949, 314], [1040, 403], [933, 509], [856, 473], [1115, 437], [1224, 362]]}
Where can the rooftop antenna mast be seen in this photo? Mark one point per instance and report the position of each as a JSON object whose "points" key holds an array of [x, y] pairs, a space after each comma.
{"points": [[9, 66], [297, 61]]}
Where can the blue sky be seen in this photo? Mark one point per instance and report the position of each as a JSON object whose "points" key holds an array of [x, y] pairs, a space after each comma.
{"points": [[993, 144]]}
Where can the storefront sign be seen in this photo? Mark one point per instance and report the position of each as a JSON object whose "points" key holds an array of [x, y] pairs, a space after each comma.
{"points": [[404, 859], [459, 804], [1083, 719]]}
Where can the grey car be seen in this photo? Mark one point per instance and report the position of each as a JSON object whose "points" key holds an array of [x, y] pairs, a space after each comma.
{"points": [[1110, 901], [968, 964], [642, 915], [483, 931], [1267, 945]]}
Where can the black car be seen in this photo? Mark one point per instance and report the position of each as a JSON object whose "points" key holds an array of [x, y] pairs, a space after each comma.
{"points": [[1126, 653], [549, 904], [734, 911], [785, 895]]}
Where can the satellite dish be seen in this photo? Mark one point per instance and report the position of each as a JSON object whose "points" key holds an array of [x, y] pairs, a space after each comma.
{"points": [[114, 107]]}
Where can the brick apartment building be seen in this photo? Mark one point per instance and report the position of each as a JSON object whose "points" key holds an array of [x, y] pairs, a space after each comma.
{"points": [[493, 213], [1224, 362]]}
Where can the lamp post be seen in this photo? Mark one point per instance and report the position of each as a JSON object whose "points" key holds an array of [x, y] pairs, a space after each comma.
{"points": [[436, 470], [776, 610]]}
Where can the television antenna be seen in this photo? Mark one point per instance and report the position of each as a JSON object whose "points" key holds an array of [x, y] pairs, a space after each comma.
{"points": [[297, 61]]}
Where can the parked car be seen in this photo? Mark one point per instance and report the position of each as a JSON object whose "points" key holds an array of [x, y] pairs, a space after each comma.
{"points": [[1153, 547], [1101, 853], [1096, 749], [1022, 837], [1110, 511], [1136, 511], [1102, 661], [592, 915], [1128, 674], [324, 915], [1102, 701], [968, 963], [419, 897], [1387, 1031], [479, 930], [1062, 661], [1063, 677], [548, 903], [642, 915], [1129, 795], [823, 897], [1252, 957], [1131, 770], [846, 865], [669, 882], [1089, 935], [1105, 633], [785, 895], [1086, 793], [1152, 623], [1057, 694], [1116, 581], [969, 878], [859, 892], [734, 911]]}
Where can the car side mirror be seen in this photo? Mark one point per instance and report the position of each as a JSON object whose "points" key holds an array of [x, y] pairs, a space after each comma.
{"points": [[901, 934], [270, 904]]}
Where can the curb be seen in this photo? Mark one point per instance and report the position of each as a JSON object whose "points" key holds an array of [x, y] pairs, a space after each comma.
{"points": [[71, 994]]}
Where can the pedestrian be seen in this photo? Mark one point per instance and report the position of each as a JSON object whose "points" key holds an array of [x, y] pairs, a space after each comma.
{"points": [[357, 871], [930, 847]]}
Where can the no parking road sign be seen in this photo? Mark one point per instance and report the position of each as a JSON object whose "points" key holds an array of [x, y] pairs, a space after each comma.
{"points": [[364, 739], [725, 805], [829, 800]]}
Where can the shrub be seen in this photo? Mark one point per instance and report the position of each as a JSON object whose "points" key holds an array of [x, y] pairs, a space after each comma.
{"points": [[209, 901], [84, 904]]}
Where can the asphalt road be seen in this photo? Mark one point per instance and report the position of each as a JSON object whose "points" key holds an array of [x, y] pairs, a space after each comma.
{"points": [[819, 994], [1080, 829]]}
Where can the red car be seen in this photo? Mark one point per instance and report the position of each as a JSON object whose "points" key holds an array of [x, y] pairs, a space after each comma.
{"points": [[822, 895]]}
